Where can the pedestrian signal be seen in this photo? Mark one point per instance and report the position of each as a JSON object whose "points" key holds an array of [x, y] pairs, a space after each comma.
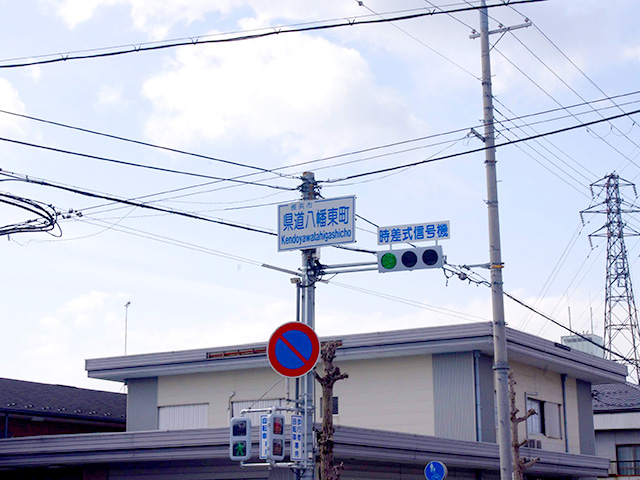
{"points": [[240, 438], [275, 436], [410, 259]]}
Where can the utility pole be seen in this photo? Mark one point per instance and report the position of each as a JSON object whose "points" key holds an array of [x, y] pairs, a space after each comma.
{"points": [[500, 365], [308, 303]]}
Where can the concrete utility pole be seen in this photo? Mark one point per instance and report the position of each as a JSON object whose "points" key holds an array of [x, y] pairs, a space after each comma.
{"points": [[500, 365], [308, 304]]}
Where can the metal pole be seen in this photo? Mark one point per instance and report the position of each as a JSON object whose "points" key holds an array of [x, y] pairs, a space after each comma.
{"points": [[500, 366], [308, 318], [126, 320]]}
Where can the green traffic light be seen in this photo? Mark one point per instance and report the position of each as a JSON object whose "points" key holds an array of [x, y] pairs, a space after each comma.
{"points": [[388, 261], [239, 449]]}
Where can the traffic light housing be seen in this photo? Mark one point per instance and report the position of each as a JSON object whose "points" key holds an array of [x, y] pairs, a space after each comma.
{"points": [[275, 436], [410, 259], [240, 439]]}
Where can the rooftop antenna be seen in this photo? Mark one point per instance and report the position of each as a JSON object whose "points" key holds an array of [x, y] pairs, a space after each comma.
{"points": [[126, 315], [591, 313]]}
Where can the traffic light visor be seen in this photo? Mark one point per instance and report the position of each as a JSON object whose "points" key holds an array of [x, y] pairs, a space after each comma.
{"points": [[239, 429]]}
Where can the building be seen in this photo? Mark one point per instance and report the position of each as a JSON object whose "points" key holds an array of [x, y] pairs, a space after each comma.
{"points": [[30, 408], [585, 342], [616, 409], [412, 396]]}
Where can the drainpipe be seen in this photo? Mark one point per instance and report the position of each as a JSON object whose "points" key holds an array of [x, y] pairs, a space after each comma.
{"points": [[476, 373], [564, 411], [230, 406]]}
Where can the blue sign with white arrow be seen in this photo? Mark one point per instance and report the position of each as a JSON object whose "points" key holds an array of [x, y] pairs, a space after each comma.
{"points": [[435, 471]]}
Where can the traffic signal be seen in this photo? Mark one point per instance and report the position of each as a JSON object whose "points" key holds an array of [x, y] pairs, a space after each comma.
{"points": [[410, 259], [275, 436], [240, 439]]}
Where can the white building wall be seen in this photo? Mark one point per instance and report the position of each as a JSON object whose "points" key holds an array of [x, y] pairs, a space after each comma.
{"points": [[548, 386], [613, 429], [218, 389], [387, 394], [616, 421], [394, 393], [183, 417]]}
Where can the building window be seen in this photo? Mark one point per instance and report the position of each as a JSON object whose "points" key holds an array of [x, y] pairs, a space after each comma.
{"points": [[535, 423], [628, 459], [546, 421], [335, 410]]}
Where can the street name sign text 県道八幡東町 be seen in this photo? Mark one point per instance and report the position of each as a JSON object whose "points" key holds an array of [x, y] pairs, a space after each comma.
{"points": [[316, 223]]}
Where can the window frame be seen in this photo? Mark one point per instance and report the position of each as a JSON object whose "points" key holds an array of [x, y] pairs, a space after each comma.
{"points": [[535, 423], [546, 412], [634, 468]]}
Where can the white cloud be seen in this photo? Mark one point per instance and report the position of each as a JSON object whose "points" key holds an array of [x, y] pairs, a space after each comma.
{"points": [[34, 72], [110, 95], [306, 92], [84, 309], [74, 12], [157, 18], [631, 53], [50, 322], [10, 101]]}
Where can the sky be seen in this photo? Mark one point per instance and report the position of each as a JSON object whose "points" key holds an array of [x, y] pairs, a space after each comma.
{"points": [[338, 102]]}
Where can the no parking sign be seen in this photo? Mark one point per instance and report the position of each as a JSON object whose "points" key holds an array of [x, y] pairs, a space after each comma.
{"points": [[293, 349]]}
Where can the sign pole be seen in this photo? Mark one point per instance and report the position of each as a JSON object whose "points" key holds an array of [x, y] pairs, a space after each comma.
{"points": [[307, 394]]}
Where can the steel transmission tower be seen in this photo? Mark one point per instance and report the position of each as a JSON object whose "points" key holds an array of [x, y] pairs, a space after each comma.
{"points": [[620, 314]]}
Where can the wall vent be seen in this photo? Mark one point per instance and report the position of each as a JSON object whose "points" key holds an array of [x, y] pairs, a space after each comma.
{"points": [[533, 444]]}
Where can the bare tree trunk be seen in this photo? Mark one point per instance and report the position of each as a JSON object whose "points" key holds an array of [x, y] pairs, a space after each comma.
{"points": [[328, 469], [519, 464]]}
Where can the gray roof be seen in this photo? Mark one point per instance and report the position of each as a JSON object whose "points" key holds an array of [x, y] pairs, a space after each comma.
{"points": [[212, 445], [522, 347], [46, 400], [610, 398]]}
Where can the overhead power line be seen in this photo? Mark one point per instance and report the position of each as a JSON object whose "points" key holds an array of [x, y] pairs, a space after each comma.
{"points": [[252, 36], [132, 203], [46, 215], [139, 165], [459, 154], [138, 142], [463, 273]]}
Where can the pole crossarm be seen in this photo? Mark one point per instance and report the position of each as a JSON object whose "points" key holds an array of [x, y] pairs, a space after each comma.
{"points": [[502, 29]]}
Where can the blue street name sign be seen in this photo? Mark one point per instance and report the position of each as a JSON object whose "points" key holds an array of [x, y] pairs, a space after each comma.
{"points": [[316, 223]]}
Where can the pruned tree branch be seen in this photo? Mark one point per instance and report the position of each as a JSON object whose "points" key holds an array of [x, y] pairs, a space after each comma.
{"points": [[332, 374], [519, 464]]}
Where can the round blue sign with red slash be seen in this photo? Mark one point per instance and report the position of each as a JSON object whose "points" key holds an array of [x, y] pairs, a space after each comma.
{"points": [[293, 349]]}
